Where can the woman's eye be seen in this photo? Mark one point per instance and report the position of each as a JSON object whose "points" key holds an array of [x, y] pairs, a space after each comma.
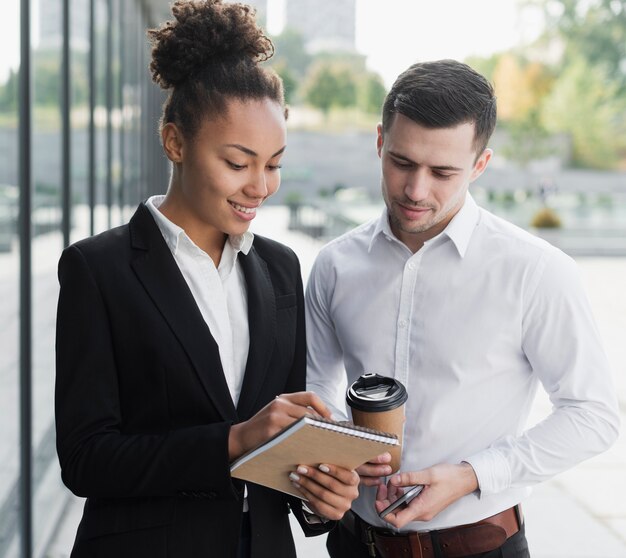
{"points": [[274, 167], [235, 166]]}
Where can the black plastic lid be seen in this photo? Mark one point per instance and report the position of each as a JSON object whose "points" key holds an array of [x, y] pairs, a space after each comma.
{"points": [[375, 393]]}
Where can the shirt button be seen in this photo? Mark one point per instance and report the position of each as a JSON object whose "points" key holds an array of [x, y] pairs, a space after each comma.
{"points": [[411, 266], [402, 324]]}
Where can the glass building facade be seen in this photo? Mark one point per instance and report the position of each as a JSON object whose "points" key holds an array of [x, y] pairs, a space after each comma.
{"points": [[78, 151]]}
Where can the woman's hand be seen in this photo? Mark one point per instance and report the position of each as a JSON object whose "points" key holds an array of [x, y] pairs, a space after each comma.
{"points": [[272, 418], [329, 489]]}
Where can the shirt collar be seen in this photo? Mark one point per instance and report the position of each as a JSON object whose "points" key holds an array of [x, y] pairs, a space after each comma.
{"points": [[382, 229], [463, 224], [172, 233], [459, 230]]}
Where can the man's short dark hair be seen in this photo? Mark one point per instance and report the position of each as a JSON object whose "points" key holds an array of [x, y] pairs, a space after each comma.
{"points": [[443, 94]]}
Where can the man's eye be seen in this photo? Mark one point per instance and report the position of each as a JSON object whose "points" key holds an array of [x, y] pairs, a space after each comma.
{"points": [[441, 175], [402, 164]]}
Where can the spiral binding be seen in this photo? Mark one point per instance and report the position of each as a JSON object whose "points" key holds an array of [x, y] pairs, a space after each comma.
{"points": [[350, 429]]}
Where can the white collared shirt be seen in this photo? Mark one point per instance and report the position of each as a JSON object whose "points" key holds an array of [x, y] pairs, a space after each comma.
{"points": [[471, 324], [220, 293]]}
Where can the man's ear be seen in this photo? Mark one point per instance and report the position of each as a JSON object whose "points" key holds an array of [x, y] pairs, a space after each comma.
{"points": [[379, 139], [481, 164], [173, 142]]}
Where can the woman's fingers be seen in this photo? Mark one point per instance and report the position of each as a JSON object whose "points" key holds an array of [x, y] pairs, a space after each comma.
{"points": [[304, 402], [329, 489]]}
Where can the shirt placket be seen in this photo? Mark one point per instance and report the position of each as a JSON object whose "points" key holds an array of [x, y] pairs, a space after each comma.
{"points": [[216, 302], [405, 317]]}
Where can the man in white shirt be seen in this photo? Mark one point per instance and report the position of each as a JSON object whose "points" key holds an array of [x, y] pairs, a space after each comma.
{"points": [[471, 314]]}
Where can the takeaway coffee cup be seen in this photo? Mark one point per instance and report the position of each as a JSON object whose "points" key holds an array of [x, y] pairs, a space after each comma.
{"points": [[378, 402]]}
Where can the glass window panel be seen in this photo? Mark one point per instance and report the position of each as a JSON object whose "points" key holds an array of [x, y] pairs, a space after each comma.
{"points": [[9, 278], [47, 243], [101, 217], [79, 139]]}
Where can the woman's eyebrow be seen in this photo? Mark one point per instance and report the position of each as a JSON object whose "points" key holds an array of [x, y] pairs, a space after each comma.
{"points": [[248, 151]]}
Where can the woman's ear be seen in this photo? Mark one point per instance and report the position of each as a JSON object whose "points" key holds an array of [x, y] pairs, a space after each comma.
{"points": [[173, 142]]}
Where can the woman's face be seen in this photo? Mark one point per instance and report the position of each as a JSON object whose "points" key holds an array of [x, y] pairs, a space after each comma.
{"points": [[229, 167]]}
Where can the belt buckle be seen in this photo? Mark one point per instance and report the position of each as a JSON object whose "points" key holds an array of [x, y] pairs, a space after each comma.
{"points": [[371, 545]]}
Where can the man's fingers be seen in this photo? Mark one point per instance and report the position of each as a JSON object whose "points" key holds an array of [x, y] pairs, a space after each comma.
{"points": [[369, 470], [409, 479], [382, 458]]}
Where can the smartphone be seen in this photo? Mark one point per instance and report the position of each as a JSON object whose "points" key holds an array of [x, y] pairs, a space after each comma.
{"points": [[403, 500]]}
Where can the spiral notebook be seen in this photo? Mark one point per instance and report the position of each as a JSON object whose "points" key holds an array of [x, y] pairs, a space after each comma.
{"points": [[310, 441]]}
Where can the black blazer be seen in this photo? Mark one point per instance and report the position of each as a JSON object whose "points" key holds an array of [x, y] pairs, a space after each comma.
{"points": [[143, 411]]}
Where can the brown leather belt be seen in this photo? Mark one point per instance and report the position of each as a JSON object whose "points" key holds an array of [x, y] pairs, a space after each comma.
{"points": [[455, 542]]}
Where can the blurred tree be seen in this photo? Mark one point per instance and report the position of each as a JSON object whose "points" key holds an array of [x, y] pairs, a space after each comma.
{"points": [[594, 30], [290, 51], [585, 102], [527, 139], [330, 84], [290, 83], [371, 93], [485, 66], [8, 93], [46, 82], [520, 86], [346, 86]]}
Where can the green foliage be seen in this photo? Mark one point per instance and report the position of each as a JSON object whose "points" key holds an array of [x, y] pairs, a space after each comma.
{"points": [[594, 30], [484, 66], [9, 93], [291, 53], [290, 83], [585, 102], [330, 84], [546, 218], [527, 139], [47, 81], [371, 93]]}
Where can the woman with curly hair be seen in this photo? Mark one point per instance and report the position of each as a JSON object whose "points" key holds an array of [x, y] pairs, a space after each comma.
{"points": [[180, 336]]}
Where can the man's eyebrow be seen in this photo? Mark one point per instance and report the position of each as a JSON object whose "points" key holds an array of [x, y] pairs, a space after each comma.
{"points": [[448, 168], [248, 151]]}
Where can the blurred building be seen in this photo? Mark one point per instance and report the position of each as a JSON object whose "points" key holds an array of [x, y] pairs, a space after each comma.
{"points": [[51, 26], [261, 10], [325, 26]]}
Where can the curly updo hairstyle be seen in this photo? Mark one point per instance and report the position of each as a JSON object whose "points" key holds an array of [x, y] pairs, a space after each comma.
{"points": [[210, 53]]}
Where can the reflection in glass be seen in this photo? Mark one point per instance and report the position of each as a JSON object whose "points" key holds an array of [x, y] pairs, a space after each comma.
{"points": [[9, 290], [47, 243]]}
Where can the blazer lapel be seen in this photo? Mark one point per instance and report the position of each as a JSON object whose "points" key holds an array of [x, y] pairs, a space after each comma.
{"points": [[157, 270], [262, 326]]}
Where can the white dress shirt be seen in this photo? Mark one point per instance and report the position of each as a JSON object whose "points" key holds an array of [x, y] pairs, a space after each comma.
{"points": [[220, 293], [470, 324]]}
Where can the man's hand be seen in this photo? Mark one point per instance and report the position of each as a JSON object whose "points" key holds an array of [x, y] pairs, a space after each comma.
{"points": [[372, 471], [443, 485], [272, 418], [329, 489]]}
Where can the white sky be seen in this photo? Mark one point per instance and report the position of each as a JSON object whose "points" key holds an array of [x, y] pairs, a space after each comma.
{"points": [[395, 33], [391, 33]]}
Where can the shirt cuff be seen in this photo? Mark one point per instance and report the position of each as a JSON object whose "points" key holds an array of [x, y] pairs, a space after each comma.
{"points": [[311, 517], [492, 471]]}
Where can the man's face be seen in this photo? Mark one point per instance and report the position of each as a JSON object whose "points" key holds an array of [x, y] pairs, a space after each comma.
{"points": [[425, 175]]}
